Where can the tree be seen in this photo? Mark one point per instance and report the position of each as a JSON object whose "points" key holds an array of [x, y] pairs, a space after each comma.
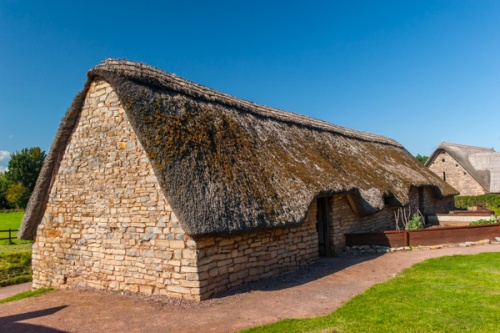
{"points": [[4, 184], [17, 195], [23, 168], [422, 159]]}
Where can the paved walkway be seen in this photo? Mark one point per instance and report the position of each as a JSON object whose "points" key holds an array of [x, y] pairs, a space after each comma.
{"points": [[315, 291]]}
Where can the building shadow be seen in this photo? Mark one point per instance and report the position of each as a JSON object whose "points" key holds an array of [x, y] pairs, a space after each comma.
{"points": [[323, 267], [12, 323]]}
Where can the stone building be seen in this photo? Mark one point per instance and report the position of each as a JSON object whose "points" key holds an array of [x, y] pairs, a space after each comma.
{"points": [[471, 170], [161, 186]]}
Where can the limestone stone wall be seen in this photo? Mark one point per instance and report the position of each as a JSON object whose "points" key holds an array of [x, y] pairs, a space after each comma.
{"points": [[454, 174], [427, 202], [225, 262], [343, 219], [437, 206], [107, 224]]}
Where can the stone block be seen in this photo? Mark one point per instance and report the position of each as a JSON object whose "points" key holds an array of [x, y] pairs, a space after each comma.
{"points": [[178, 289]]}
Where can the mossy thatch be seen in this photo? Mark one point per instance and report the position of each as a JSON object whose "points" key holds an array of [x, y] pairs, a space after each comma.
{"points": [[228, 165]]}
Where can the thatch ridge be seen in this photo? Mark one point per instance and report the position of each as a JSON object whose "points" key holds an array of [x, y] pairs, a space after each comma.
{"points": [[231, 166], [154, 77]]}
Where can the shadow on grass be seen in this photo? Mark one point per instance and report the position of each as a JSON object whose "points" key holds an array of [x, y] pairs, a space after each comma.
{"points": [[11, 323], [324, 266]]}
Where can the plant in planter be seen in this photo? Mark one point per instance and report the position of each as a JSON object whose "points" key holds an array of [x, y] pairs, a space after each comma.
{"points": [[402, 217], [416, 222], [491, 220]]}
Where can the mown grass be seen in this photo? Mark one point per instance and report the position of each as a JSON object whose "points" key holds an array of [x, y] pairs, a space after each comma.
{"points": [[448, 294], [25, 294], [15, 257], [495, 209], [13, 221], [15, 268]]}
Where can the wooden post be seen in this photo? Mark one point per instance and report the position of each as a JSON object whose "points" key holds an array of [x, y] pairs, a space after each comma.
{"points": [[10, 236], [406, 238]]}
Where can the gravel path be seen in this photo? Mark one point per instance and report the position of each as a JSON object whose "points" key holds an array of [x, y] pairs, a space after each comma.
{"points": [[311, 292]]}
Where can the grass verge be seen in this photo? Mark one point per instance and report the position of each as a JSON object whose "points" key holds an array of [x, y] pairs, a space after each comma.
{"points": [[15, 268], [448, 294], [25, 294]]}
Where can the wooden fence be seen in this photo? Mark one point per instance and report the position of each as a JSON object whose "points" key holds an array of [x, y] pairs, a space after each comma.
{"points": [[11, 232], [431, 236]]}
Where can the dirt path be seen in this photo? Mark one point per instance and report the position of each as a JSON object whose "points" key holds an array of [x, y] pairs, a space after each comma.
{"points": [[312, 292], [14, 290]]}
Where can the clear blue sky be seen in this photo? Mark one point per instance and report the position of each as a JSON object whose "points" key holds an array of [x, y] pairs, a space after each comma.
{"points": [[416, 71]]}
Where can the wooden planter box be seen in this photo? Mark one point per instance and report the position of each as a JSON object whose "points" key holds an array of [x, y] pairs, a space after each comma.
{"points": [[431, 236]]}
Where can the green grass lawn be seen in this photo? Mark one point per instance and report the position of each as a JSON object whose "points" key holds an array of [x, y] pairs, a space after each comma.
{"points": [[12, 221], [448, 294], [495, 209], [15, 257]]}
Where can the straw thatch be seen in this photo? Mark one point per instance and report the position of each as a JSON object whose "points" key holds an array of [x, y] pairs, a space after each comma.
{"points": [[228, 165]]}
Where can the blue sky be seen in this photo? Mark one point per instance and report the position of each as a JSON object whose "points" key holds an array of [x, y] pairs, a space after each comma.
{"points": [[416, 71]]}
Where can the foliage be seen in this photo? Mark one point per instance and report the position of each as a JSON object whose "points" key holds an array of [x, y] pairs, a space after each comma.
{"points": [[15, 268], [492, 201], [26, 294], [422, 159], [438, 295], [4, 184], [491, 220], [402, 217], [416, 222], [24, 167], [17, 195]]}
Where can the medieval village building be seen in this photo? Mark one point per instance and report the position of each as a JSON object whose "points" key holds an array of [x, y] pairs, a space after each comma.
{"points": [[471, 170], [157, 185]]}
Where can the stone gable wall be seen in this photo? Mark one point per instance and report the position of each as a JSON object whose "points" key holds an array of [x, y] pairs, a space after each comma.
{"points": [[456, 175], [107, 224]]}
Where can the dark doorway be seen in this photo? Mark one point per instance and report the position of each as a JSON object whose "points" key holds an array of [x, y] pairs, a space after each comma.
{"points": [[323, 228]]}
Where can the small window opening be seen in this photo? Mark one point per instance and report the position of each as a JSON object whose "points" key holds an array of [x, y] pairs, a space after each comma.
{"points": [[444, 176], [442, 160]]}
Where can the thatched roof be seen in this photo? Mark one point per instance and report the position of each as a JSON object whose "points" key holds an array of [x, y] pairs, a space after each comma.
{"points": [[482, 164], [227, 165]]}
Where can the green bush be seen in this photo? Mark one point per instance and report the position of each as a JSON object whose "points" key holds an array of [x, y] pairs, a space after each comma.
{"points": [[415, 223], [491, 220], [492, 200]]}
